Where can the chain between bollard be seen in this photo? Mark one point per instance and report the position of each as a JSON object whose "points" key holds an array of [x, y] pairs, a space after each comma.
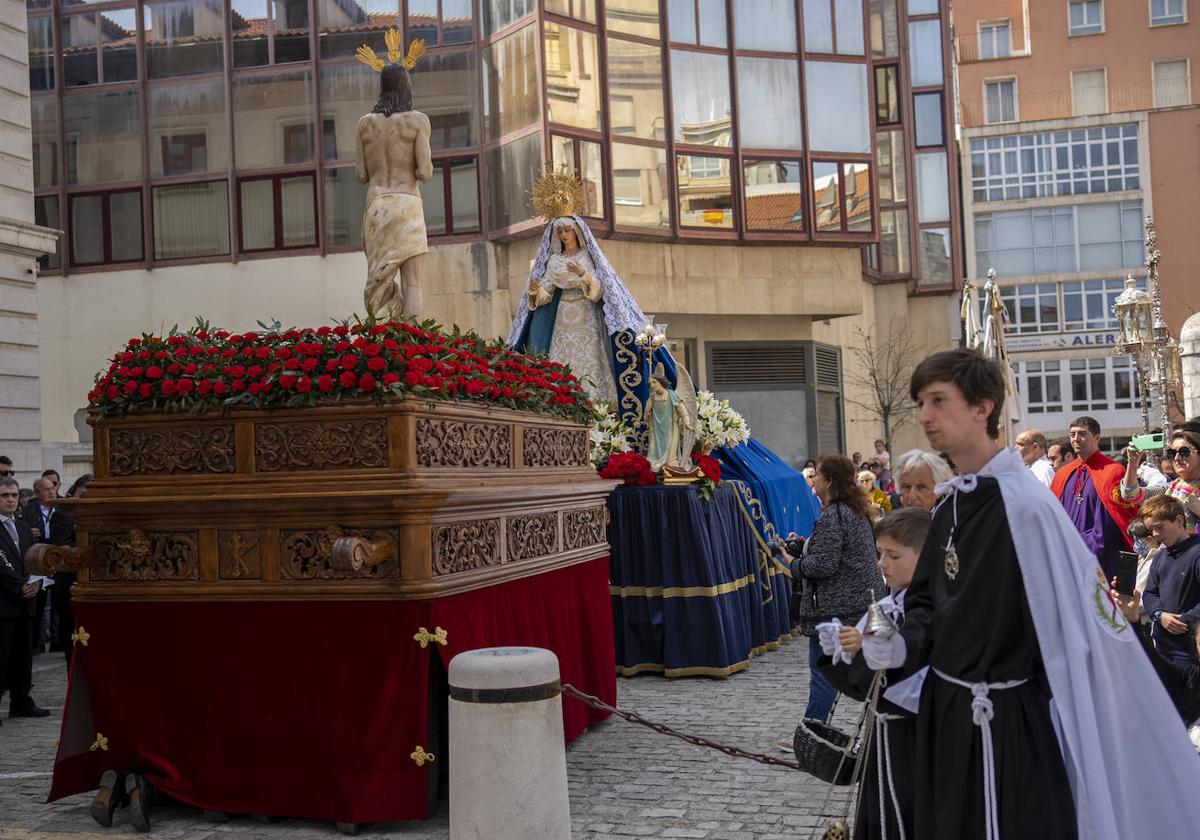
{"points": [[663, 729]]}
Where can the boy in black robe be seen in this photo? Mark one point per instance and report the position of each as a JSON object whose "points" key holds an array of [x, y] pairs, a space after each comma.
{"points": [[886, 798]]}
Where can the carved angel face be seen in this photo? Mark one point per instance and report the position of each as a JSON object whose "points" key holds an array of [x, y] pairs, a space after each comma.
{"points": [[657, 388]]}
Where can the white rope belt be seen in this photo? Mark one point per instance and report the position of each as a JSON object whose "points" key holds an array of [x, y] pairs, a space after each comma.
{"points": [[982, 713], [883, 761]]}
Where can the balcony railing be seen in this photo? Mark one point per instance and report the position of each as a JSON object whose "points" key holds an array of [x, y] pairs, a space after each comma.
{"points": [[991, 44], [1060, 104]]}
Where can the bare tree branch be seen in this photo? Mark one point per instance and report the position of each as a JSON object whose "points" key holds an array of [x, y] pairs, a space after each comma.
{"points": [[879, 378]]}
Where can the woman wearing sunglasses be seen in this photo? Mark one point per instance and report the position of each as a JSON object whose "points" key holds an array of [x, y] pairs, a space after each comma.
{"points": [[1184, 453]]}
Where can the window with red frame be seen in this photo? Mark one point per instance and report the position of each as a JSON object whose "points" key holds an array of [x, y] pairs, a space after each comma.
{"points": [[106, 227], [277, 212]]}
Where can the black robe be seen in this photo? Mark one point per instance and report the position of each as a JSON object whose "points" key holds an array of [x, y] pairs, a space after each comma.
{"points": [[854, 680], [978, 628]]}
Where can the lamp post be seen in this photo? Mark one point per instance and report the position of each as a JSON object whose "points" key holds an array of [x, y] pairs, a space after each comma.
{"points": [[1144, 337]]}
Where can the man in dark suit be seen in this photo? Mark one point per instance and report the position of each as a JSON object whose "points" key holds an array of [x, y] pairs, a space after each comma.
{"points": [[51, 525], [16, 606]]}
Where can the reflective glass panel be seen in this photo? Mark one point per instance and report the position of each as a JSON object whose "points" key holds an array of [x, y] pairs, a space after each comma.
{"points": [[511, 91], [893, 242], [640, 186], [837, 88], [682, 17], [890, 156], [933, 188], [118, 46], [423, 22], [103, 132], [887, 95], [298, 200], [884, 28], [464, 195], [827, 190], [849, 17], [922, 7], [347, 92], [444, 90], [773, 195], [79, 39], [44, 134], [290, 21], [191, 220], [635, 17], [187, 128], [588, 169], [251, 33], [45, 214], [929, 119], [574, 9], [41, 54], [572, 77], [87, 229], [512, 170], [700, 96], [925, 52], [272, 119], [818, 26], [125, 226], [433, 200], [857, 180], [344, 202], [769, 103], [765, 24], [705, 192], [712, 23], [497, 14], [344, 26], [183, 38], [635, 90], [256, 206], [936, 267]]}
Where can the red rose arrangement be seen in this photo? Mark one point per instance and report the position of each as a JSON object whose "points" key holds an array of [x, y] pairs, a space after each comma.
{"points": [[632, 468], [206, 368], [708, 465]]}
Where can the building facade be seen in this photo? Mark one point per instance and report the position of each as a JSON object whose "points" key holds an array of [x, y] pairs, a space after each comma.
{"points": [[768, 175], [1079, 118]]}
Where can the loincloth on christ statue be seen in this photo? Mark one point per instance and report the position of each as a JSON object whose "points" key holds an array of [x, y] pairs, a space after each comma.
{"points": [[393, 231]]}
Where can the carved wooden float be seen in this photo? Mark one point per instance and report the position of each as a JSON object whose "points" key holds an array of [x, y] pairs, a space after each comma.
{"points": [[406, 500]]}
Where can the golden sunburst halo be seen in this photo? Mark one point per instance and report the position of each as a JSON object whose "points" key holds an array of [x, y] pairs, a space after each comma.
{"points": [[557, 193]]}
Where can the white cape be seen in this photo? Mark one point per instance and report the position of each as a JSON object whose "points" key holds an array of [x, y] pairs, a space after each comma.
{"points": [[1133, 769]]}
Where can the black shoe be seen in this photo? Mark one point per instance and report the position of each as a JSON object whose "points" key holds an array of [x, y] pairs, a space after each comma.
{"points": [[140, 794], [32, 710], [109, 797]]}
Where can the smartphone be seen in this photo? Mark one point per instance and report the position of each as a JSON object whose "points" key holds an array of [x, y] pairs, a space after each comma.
{"points": [[1127, 572], [1145, 443]]}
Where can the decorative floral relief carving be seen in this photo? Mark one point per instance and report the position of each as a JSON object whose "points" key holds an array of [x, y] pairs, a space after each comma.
{"points": [[308, 554], [462, 546], [320, 446], [532, 536], [453, 443], [177, 449], [239, 555], [582, 528], [555, 447], [153, 555]]}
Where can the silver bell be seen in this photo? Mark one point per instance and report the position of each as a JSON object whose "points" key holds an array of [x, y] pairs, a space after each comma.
{"points": [[879, 623]]}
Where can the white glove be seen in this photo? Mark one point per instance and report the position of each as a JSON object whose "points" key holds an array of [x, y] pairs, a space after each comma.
{"points": [[827, 636], [881, 654]]}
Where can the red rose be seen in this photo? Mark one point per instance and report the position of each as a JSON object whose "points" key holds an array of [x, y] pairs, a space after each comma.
{"points": [[309, 364], [145, 391], [370, 349], [303, 384], [254, 371], [341, 346], [131, 387], [287, 381], [255, 388], [112, 392], [413, 378], [349, 361], [325, 383], [292, 363], [154, 372], [331, 365], [238, 385], [348, 378], [376, 363], [390, 378], [219, 387], [184, 387], [323, 331], [366, 382], [168, 387], [204, 386], [341, 329]]}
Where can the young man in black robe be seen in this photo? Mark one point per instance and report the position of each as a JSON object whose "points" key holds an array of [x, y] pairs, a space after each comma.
{"points": [[1007, 608]]}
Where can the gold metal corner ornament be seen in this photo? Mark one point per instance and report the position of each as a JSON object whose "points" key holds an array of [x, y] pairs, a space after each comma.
{"points": [[81, 636], [423, 637], [419, 756], [101, 743]]}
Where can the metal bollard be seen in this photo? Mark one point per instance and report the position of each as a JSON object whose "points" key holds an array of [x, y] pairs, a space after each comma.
{"points": [[508, 761]]}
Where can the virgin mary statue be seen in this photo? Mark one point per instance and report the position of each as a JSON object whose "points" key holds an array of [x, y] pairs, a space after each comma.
{"points": [[576, 309]]}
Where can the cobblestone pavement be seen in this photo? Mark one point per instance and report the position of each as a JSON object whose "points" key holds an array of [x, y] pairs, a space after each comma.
{"points": [[625, 780]]}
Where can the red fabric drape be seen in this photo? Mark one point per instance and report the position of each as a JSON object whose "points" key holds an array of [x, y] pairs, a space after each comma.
{"points": [[307, 709]]}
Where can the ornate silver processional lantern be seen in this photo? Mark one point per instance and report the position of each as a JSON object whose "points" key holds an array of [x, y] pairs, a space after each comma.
{"points": [[1144, 337]]}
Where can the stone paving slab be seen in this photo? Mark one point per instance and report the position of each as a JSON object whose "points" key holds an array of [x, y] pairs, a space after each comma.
{"points": [[625, 781]]}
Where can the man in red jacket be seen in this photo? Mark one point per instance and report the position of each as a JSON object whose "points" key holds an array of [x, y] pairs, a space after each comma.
{"points": [[1100, 496]]}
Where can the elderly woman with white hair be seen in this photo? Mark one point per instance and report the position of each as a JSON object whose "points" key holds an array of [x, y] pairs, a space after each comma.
{"points": [[917, 475]]}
